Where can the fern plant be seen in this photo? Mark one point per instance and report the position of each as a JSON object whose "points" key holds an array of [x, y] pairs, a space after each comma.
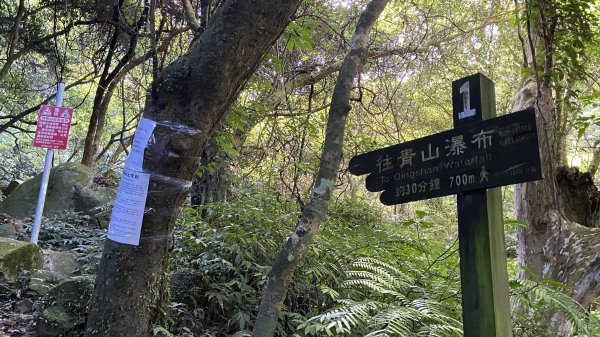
{"points": [[387, 302], [541, 301]]}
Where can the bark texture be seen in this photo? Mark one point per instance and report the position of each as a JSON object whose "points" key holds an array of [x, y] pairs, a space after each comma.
{"points": [[562, 210], [316, 209], [212, 184], [561, 240], [187, 101]]}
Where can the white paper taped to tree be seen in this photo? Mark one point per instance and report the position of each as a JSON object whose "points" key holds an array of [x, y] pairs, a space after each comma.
{"points": [[140, 141], [128, 212]]}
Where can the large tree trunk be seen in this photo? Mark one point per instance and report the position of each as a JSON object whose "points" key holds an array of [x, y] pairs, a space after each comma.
{"points": [[316, 209], [211, 184], [187, 101], [560, 242]]}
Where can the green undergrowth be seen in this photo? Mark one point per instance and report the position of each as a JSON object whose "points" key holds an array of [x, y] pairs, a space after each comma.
{"points": [[73, 232], [364, 275], [233, 247]]}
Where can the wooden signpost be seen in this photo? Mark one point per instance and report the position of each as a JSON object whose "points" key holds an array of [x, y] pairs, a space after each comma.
{"points": [[472, 160]]}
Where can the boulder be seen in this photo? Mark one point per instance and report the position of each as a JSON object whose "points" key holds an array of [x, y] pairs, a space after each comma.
{"points": [[60, 265], [55, 321], [16, 256], [71, 187], [57, 266], [65, 306], [7, 231], [23, 306]]}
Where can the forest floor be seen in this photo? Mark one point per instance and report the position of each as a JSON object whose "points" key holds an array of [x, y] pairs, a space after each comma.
{"points": [[20, 302], [14, 324], [19, 311]]}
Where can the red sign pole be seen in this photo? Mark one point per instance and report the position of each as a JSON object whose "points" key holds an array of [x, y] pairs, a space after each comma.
{"points": [[49, 134]]}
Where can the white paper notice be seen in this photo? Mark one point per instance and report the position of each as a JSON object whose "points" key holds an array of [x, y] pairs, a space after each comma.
{"points": [[128, 212], [140, 140]]}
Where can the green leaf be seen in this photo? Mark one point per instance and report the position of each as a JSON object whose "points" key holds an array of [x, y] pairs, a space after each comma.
{"points": [[516, 223], [426, 224]]}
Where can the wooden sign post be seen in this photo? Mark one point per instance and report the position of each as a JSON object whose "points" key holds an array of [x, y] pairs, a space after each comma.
{"points": [[472, 160], [482, 248]]}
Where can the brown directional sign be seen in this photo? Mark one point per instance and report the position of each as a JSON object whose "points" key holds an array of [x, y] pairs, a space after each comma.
{"points": [[495, 152]]}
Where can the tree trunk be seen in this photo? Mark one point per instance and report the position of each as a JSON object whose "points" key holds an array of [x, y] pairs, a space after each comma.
{"points": [[108, 83], [560, 242], [212, 183], [316, 209], [561, 211], [595, 162], [187, 101]]}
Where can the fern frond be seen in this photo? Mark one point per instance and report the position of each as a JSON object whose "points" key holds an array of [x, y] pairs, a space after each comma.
{"points": [[549, 295], [386, 308]]}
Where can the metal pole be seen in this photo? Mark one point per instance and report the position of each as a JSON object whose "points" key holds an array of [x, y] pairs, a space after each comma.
{"points": [[39, 209]]}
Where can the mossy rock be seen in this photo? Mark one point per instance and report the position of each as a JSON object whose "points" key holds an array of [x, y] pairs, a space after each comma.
{"points": [[55, 321], [65, 306], [40, 282], [71, 187], [16, 256], [73, 294]]}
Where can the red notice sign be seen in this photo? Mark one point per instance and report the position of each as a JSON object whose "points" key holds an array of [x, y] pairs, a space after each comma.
{"points": [[53, 127]]}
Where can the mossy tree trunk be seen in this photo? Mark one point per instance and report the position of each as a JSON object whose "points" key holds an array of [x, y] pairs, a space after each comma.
{"points": [[211, 184], [187, 101], [316, 209], [561, 239]]}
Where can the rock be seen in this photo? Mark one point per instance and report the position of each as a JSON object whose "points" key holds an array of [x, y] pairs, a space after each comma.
{"points": [[40, 282], [9, 323], [24, 319], [10, 187], [8, 231], [71, 187], [101, 215], [65, 306], [23, 306], [74, 293], [6, 292], [55, 321], [60, 264], [16, 256], [12, 228]]}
